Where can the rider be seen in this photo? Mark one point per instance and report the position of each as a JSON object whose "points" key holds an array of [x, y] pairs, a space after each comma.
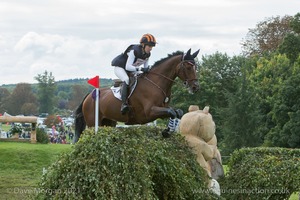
{"points": [[135, 58]]}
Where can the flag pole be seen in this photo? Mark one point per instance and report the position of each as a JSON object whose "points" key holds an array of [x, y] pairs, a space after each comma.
{"points": [[97, 110], [95, 82]]}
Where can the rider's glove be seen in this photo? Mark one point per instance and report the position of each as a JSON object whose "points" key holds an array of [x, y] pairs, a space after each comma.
{"points": [[145, 69]]}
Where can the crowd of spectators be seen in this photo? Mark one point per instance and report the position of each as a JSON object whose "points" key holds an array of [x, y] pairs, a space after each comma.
{"points": [[60, 137]]}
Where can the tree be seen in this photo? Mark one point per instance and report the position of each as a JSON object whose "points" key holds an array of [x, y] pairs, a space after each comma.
{"points": [[285, 113], [267, 36], [77, 95], [63, 98], [218, 75], [241, 116], [46, 92], [18, 101], [295, 23], [291, 43], [275, 87], [4, 94]]}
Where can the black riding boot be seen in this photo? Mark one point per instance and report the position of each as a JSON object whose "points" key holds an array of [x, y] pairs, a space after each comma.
{"points": [[124, 106]]}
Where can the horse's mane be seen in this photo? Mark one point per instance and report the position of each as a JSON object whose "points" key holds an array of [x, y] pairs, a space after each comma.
{"points": [[169, 56]]}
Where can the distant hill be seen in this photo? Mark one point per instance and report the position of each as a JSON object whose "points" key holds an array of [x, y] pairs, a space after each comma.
{"points": [[104, 82]]}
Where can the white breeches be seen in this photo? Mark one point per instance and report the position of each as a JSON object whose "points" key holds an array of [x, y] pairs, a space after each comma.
{"points": [[121, 74]]}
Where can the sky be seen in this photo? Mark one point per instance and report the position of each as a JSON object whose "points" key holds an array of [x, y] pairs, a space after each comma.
{"points": [[79, 38]]}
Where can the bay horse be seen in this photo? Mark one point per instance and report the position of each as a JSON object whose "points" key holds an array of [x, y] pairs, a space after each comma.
{"points": [[149, 100]]}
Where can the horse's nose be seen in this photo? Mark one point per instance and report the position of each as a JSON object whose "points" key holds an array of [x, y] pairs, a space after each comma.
{"points": [[196, 86]]}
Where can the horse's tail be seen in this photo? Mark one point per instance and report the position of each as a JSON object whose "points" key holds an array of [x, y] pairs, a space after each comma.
{"points": [[80, 123]]}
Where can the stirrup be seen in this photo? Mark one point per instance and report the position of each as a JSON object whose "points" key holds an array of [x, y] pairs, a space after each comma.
{"points": [[124, 109]]}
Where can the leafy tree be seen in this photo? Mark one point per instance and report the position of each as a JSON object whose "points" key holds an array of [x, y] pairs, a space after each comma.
{"points": [[218, 75], [29, 108], [266, 36], [295, 23], [63, 98], [285, 113], [291, 46], [20, 99], [46, 91], [4, 94], [77, 95], [291, 43], [241, 116], [272, 80], [52, 120]]}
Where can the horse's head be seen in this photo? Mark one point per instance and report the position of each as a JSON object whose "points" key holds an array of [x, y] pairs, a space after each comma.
{"points": [[187, 71]]}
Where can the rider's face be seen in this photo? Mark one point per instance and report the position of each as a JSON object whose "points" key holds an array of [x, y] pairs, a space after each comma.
{"points": [[148, 48]]}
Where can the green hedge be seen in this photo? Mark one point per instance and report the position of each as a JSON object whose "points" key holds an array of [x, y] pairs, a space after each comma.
{"points": [[262, 173], [42, 136], [127, 163]]}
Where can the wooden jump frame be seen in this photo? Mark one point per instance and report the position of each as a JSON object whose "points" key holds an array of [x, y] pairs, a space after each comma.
{"points": [[23, 119]]}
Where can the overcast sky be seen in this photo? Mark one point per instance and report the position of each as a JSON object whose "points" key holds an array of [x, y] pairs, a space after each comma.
{"points": [[79, 38]]}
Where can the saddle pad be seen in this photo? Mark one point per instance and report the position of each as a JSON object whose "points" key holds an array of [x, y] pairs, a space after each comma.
{"points": [[116, 91]]}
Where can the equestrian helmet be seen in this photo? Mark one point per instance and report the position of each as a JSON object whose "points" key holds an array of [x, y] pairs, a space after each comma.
{"points": [[148, 39]]}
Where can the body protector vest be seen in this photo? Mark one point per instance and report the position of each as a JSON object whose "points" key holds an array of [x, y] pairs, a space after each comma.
{"points": [[140, 56]]}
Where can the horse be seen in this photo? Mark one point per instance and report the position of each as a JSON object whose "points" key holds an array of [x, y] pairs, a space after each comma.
{"points": [[149, 100]]}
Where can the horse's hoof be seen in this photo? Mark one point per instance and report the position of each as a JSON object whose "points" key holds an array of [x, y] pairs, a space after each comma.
{"points": [[179, 113], [165, 133], [172, 113]]}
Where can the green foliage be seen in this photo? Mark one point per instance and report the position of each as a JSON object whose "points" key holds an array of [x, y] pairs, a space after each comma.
{"points": [[41, 136], [51, 120], [291, 43], [127, 163], [16, 128], [274, 84], [219, 75], [262, 173], [291, 46], [46, 91], [21, 101], [286, 115], [295, 23], [266, 36]]}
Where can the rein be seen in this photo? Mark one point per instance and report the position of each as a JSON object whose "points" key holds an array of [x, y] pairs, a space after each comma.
{"points": [[156, 84], [162, 76]]}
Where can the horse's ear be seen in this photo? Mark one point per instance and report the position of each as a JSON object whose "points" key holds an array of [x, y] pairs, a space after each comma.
{"points": [[195, 54], [188, 52]]}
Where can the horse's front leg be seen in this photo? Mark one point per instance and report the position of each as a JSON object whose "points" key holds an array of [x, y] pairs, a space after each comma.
{"points": [[165, 112]]}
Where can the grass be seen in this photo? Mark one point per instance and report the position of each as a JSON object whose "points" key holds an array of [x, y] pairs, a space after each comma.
{"points": [[4, 127], [22, 166]]}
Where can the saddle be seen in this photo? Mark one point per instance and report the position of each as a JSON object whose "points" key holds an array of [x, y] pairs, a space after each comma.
{"points": [[116, 88]]}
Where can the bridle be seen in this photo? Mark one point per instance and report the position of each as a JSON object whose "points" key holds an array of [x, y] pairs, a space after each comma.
{"points": [[181, 65], [189, 62]]}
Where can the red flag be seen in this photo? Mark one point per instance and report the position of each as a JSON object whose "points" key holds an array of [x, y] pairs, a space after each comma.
{"points": [[94, 81]]}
